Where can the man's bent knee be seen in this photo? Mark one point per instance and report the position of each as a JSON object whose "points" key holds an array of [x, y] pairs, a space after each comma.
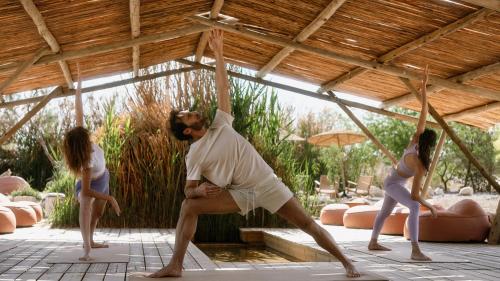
{"points": [[189, 207]]}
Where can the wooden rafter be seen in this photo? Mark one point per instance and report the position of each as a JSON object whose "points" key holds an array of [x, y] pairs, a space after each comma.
{"points": [[135, 27], [471, 111], [23, 67], [37, 18], [71, 92], [321, 19], [462, 78], [450, 28], [202, 44], [373, 65], [30, 114], [490, 4]]}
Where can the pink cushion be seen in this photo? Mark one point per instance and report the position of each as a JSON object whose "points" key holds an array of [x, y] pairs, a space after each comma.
{"points": [[395, 222], [10, 184], [25, 215], [4, 199], [360, 216], [7, 220], [465, 221], [357, 202], [36, 207], [333, 214]]}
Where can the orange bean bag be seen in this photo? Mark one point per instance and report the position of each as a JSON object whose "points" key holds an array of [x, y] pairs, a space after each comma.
{"points": [[465, 221], [333, 214], [360, 216], [10, 184], [25, 215], [395, 222], [36, 207], [357, 202], [7, 220]]}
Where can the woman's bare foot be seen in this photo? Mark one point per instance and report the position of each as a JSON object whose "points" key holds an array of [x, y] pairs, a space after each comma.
{"points": [[167, 271], [419, 256], [95, 245], [85, 258], [351, 271], [375, 246]]}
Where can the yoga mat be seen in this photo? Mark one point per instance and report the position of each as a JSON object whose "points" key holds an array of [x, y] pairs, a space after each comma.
{"points": [[6, 247], [262, 275], [70, 254], [403, 254]]}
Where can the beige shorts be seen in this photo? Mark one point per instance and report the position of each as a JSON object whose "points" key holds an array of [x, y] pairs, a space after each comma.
{"points": [[271, 195]]}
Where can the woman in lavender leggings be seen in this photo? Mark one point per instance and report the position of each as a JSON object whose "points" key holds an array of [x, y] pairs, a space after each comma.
{"points": [[414, 163]]}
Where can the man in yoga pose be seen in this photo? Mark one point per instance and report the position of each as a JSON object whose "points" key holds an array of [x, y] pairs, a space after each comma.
{"points": [[239, 179], [414, 163]]}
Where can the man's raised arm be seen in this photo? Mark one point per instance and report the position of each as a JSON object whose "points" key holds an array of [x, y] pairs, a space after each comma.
{"points": [[221, 80]]}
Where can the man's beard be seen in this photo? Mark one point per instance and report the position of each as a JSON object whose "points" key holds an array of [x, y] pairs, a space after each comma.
{"points": [[200, 124]]}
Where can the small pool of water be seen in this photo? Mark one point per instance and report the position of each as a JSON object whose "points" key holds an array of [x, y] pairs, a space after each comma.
{"points": [[244, 253]]}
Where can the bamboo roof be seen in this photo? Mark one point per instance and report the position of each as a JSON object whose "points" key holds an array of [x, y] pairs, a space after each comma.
{"points": [[363, 29]]}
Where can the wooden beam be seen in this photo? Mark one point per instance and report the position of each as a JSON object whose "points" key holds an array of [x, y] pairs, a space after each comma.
{"points": [[30, 114], [365, 130], [462, 78], [432, 168], [44, 31], [379, 67], [135, 27], [78, 99], [23, 67], [71, 92], [202, 44], [490, 4], [313, 94], [412, 45], [471, 111], [449, 131], [124, 44], [321, 19]]}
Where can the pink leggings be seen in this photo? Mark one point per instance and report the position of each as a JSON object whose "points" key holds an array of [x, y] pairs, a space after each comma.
{"points": [[395, 192]]}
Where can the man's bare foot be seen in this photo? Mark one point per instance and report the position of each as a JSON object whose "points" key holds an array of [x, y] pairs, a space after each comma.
{"points": [[419, 256], [351, 271], [375, 246], [167, 271], [95, 245], [85, 258]]}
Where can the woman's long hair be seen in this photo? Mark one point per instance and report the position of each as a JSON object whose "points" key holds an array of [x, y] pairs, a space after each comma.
{"points": [[426, 141], [77, 149]]}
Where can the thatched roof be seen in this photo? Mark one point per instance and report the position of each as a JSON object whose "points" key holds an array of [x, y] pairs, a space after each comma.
{"points": [[363, 29]]}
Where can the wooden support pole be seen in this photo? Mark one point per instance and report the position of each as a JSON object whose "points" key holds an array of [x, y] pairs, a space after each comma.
{"points": [[44, 31], [376, 66], [321, 19], [312, 94], [415, 44], [449, 131], [365, 130], [462, 78], [30, 114], [435, 159], [78, 99], [202, 44], [490, 4], [68, 93], [135, 27], [23, 67]]}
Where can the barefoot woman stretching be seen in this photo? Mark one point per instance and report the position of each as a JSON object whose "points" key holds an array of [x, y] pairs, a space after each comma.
{"points": [[414, 163], [86, 161], [240, 180]]}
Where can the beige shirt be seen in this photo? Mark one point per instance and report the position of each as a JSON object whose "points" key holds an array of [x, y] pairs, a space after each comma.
{"points": [[225, 158]]}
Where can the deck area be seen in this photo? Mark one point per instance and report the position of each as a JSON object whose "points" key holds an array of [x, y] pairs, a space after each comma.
{"points": [[25, 252]]}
